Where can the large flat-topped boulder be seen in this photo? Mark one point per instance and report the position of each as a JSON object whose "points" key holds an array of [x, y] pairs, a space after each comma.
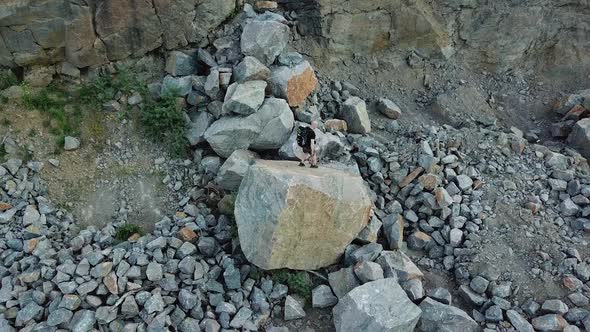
{"points": [[299, 218]]}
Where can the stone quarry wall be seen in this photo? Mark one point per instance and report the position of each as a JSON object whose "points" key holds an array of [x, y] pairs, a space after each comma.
{"points": [[93, 32], [491, 34]]}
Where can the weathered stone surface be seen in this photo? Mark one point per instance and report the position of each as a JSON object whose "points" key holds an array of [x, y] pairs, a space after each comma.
{"points": [[389, 108], [549, 323], [393, 226], [293, 309], [580, 137], [251, 69], [83, 321], [354, 112], [178, 86], [445, 318], [519, 322], [234, 169], [229, 134], [244, 98], [181, 64], [397, 264], [198, 126], [322, 297], [279, 199], [293, 83], [276, 121], [380, 305], [264, 39], [343, 281], [336, 125]]}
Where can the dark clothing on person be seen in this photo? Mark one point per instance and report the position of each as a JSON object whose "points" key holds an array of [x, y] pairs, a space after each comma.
{"points": [[304, 137]]}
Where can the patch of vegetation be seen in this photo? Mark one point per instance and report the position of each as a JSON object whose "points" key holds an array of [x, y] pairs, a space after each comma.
{"points": [[163, 121], [299, 282], [124, 232], [5, 122], [7, 79], [63, 118], [3, 153]]}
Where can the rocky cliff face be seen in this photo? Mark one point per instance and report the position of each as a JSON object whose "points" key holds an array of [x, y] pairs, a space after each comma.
{"points": [[493, 35], [90, 32]]}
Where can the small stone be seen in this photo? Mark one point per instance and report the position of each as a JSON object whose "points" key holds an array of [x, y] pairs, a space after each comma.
{"points": [[555, 307], [71, 143], [83, 321], [293, 309], [519, 322], [550, 322], [494, 314], [322, 297], [389, 108], [368, 271]]}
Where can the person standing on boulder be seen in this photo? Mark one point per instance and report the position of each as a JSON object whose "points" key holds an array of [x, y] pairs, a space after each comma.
{"points": [[306, 139]]}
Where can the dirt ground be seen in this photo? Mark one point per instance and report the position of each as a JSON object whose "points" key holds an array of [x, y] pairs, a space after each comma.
{"points": [[112, 169]]}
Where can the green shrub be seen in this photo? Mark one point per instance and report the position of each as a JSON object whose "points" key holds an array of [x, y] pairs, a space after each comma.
{"points": [[299, 282], [7, 79], [124, 232]]}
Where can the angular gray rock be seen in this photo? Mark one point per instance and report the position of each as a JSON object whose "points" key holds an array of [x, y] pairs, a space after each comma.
{"points": [[83, 321], [393, 227], [71, 143], [397, 264], [276, 119], [264, 39], [180, 64], [293, 309], [580, 137], [437, 316], [323, 297], [178, 86], [198, 126], [343, 281], [229, 134], [519, 322], [354, 112], [234, 169], [380, 305], [244, 98], [250, 69], [368, 271]]}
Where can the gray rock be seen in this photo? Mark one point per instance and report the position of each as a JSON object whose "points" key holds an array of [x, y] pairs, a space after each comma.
{"points": [[368, 252], [59, 316], [389, 108], [229, 134], [445, 318], [554, 307], [440, 294], [276, 119], [210, 165], [154, 272], [207, 246], [380, 305], [519, 322], [83, 321], [479, 284], [354, 112], [154, 304], [129, 307], [234, 169], [250, 69], [393, 227], [368, 271], [343, 281], [293, 309], [189, 324], [549, 323], [28, 313], [580, 137], [264, 40], [241, 318], [413, 289], [198, 126], [187, 299], [232, 277], [494, 314], [397, 264], [471, 296], [569, 208], [105, 315], [212, 85], [464, 182], [322, 297], [71, 143], [178, 86], [180, 64], [244, 98]]}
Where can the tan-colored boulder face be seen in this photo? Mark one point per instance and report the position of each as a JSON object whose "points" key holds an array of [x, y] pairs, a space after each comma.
{"points": [[372, 26], [299, 218], [301, 85]]}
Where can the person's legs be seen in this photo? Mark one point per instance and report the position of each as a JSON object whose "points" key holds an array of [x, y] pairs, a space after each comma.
{"points": [[302, 162], [314, 159]]}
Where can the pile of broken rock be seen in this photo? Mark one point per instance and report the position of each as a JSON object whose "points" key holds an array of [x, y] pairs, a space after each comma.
{"points": [[575, 122]]}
